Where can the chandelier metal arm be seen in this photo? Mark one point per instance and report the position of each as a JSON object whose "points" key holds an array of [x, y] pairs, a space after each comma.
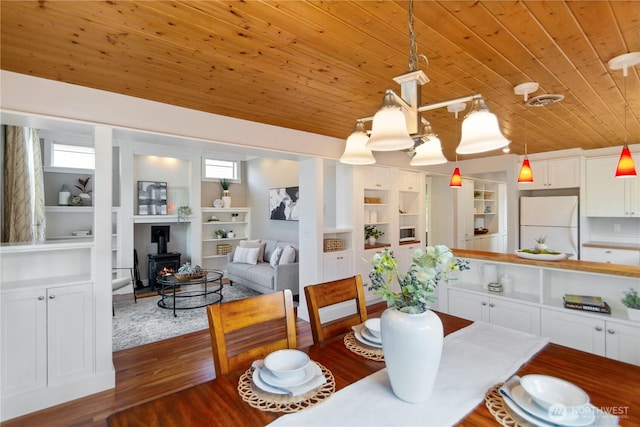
{"points": [[405, 105]]}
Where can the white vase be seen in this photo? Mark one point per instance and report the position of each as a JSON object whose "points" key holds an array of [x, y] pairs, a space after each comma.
{"points": [[633, 313], [412, 346], [86, 199], [226, 199], [372, 241], [541, 246]]}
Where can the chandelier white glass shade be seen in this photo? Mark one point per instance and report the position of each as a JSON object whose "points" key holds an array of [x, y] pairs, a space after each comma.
{"points": [[389, 128], [356, 151], [480, 131], [429, 152]]}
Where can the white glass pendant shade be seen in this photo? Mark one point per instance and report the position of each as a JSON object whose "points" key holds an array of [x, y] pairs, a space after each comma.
{"points": [[429, 152], [389, 129], [480, 131], [355, 150]]}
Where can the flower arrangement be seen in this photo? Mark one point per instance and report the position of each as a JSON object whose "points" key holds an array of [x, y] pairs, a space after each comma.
{"points": [[631, 299], [372, 231], [418, 284], [184, 212]]}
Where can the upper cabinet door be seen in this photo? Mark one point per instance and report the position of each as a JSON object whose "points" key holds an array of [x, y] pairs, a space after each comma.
{"points": [[408, 181], [556, 173], [608, 196], [377, 178]]}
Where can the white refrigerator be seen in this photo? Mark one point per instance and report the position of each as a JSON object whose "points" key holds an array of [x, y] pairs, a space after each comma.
{"points": [[555, 217]]}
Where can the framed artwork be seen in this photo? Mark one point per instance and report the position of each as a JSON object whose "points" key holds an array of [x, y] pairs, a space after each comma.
{"points": [[152, 198], [283, 203]]}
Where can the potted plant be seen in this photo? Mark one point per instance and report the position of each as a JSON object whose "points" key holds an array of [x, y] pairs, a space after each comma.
{"points": [[85, 193], [540, 243], [226, 196], [184, 212], [631, 300], [372, 233], [220, 234], [412, 335]]}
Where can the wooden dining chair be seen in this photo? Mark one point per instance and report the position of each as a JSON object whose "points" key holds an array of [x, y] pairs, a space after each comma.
{"points": [[330, 293], [251, 328]]}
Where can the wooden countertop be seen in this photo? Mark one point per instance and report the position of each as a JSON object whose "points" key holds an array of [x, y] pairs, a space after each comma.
{"points": [[565, 264]]}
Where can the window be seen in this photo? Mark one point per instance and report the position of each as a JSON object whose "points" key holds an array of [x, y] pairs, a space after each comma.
{"points": [[221, 169], [72, 156]]}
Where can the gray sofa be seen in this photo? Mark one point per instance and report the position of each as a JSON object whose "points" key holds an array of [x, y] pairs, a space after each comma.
{"points": [[263, 278]]}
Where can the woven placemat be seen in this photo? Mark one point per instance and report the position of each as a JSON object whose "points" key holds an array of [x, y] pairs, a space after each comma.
{"points": [[504, 416], [373, 353], [270, 402]]}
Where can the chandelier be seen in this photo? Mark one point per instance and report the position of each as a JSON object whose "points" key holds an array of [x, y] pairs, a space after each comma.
{"points": [[398, 125]]}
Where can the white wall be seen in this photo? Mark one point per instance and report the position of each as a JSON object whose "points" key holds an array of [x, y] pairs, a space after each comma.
{"points": [[264, 174]]}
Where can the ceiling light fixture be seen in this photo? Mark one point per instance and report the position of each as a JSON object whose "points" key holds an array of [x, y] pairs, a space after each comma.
{"points": [[456, 179], [396, 125], [429, 151], [356, 151], [526, 174], [626, 167]]}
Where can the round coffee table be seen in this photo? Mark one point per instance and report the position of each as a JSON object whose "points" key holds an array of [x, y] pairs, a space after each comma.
{"points": [[190, 294]]}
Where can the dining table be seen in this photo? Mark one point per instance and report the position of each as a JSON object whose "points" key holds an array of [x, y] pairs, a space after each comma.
{"points": [[613, 387]]}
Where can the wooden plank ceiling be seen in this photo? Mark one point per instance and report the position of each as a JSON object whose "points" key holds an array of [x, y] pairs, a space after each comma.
{"points": [[317, 66]]}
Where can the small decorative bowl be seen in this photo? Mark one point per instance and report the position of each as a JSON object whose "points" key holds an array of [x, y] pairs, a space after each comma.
{"points": [[287, 364], [188, 277], [547, 391], [373, 326]]}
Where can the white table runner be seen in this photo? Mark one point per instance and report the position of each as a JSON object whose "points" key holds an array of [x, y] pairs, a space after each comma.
{"points": [[473, 359]]}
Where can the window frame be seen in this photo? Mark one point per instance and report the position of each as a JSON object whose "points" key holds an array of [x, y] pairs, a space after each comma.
{"points": [[237, 165], [49, 144]]}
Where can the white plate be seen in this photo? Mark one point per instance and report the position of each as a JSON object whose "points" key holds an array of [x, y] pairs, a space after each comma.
{"points": [[541, 257], [524, 401], [357, 332], [524, 414], [267, 376], [217, 203], [366, 334]]}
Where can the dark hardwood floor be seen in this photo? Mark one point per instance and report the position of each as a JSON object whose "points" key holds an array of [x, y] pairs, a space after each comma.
{"points": [[144, 373]]}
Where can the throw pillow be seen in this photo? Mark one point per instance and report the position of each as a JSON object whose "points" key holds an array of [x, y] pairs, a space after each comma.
{"points": [[246, 255], [288, 255], [275, 257], [255, 244]]}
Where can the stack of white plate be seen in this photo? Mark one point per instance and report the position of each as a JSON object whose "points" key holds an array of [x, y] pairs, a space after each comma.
{"points": [[548, 401], [369, 333], [287, 372]]}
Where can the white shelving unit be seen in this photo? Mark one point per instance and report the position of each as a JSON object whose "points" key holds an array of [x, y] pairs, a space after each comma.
{"points": [[214, 219]]}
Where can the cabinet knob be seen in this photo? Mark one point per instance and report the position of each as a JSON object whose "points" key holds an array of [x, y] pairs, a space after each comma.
{"points": [[492, 305], [484, 303], [598, 328], [607, 252], [52, 296], [40, 298], [611, 331]]}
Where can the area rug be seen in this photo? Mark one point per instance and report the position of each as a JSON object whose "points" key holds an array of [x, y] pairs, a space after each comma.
{"points": [[144, 322]]}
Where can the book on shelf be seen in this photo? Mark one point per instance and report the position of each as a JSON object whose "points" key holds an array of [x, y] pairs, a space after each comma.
{"points": [[586, 303]]}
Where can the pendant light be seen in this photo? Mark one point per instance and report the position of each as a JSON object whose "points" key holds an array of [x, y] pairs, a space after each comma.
{"points": [[526, 174], [356, 151], [626, 167], [456, 179]]}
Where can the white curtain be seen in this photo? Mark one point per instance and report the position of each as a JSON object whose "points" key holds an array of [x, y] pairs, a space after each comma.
{"points": [[24, 208]]}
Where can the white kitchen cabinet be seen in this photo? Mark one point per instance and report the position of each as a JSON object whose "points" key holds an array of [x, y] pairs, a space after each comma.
{"points": [[496, 310], [601, 336], [408, 181], [337, 265], [608, 196], [554, 173], [404, 255], [487, 242], [377, 177], [46, 337], [611, 256]]}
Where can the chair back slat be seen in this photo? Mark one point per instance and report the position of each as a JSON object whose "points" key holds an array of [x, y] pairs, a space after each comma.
{"points": [[273, 311], [329, 293]]}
